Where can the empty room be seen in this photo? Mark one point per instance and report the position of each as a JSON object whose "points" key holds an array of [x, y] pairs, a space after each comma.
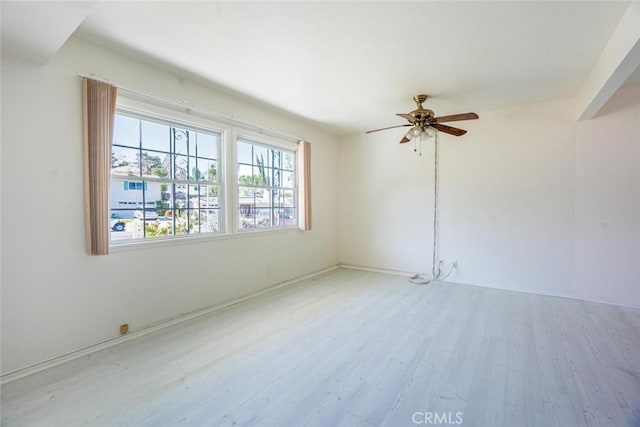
{"points": [[320, 213]]}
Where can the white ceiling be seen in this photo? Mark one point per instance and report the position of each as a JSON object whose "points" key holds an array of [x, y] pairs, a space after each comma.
{"points": [[36, 30], [351, 65]]}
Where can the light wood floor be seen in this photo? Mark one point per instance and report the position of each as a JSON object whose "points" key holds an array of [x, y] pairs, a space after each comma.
{"points": [[355, 348]]}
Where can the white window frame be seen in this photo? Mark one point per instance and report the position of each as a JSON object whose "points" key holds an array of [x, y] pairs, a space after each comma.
{"points": [[133, 109], [267, 142], [227, 171]]}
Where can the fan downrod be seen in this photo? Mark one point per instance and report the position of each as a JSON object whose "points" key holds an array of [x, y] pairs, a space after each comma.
{"points": [[419, 99], [422, 115]]}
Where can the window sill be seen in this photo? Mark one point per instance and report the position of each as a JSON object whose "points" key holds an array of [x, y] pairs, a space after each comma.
{"points": [[175, 241]]}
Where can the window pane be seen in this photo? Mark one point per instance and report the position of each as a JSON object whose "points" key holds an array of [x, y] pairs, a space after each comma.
{"points": [[288, 180], [209, 221], [245, 175], [126, 131], [194, 221], [181, 167], [276, 198], [287, 161], [194, 196], [124, 161], [126, 204], [260, 156], [275, 177], [155, 136], [186, 221], [121, 228], [247, 204], [246, 194], [164, 204], [180, 221], [246, 220], [158, 227], [289, 198], [275, 159], [123, 200], [263, 218], [179, 196], [153, 195], [209, 196], [195, 174], [155, 164], [208, 145], [184, 141], [288, 217], [261, 176], [208, 169], [263, 198], [245, 153]]}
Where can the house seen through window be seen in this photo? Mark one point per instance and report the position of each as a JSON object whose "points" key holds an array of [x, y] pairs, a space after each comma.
{"points": [[164, 180]]}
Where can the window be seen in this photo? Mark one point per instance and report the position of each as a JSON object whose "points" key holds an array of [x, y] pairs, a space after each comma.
{"points": [[133, 185], [169, 177], [165, 180], [266, 186]]}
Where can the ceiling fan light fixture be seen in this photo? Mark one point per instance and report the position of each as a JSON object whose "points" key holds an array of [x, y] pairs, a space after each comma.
{"points": [[424, 133], [430, 132], [410, 134]]}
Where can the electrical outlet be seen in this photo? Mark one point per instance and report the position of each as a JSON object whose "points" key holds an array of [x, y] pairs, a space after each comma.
{"points": [[124, 329]]}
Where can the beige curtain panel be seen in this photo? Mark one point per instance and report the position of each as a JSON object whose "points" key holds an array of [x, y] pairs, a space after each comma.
{"points": [[99, 110], [304, 189]]}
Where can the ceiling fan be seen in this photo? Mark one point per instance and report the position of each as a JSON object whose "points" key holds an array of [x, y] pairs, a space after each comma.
{"points": [[423, 120]]}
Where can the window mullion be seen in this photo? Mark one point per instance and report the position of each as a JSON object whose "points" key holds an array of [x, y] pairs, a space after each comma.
{"points": [[231, 172]]}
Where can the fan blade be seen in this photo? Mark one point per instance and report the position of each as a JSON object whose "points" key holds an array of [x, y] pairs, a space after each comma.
{"points": [[456, 117], [390, 127], [407, 116], [404, 140], [448, 129]]}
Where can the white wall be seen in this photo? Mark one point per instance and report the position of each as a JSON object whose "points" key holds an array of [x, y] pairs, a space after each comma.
{"points": [[55, 298], [530, 200], [607, 203]]}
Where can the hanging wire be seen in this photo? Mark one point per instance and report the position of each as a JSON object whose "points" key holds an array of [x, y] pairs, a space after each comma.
{"points": [[436, 267], [435, 210]]}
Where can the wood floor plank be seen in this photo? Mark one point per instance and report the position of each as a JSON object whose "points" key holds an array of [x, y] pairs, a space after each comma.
{"points": [[354, 348], [561, 400]]}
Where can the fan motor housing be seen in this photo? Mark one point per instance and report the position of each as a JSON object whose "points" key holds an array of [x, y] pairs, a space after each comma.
{"points": [[422, 115]]}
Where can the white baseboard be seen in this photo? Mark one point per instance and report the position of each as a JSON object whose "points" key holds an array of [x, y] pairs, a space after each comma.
{"points": [[377, 270], [50, 363], [553, 294], [492, 286]]}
